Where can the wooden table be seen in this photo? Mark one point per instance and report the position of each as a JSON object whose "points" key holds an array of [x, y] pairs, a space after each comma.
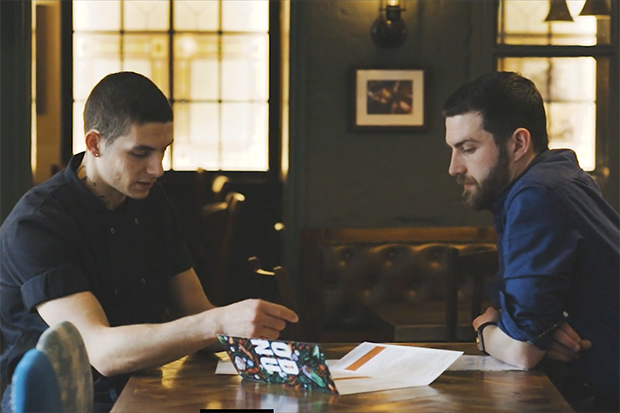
{"points": [[189, 384]]}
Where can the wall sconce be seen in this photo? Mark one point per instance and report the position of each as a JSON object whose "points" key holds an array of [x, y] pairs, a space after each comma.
{"points": [[389, 29]]}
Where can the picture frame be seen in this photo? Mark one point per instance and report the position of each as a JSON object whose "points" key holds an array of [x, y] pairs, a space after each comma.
{"points": [[389, 100]]}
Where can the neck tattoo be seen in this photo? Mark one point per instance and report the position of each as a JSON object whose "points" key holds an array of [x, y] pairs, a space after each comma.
{"points": [[90, 184], [81, 173]]}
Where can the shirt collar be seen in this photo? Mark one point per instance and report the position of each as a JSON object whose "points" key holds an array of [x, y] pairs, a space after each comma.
{"points": [[498, 205]]}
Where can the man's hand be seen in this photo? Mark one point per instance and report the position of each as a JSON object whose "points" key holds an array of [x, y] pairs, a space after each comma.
{"points": [[254, 318], [566, 344], [491, 314]]}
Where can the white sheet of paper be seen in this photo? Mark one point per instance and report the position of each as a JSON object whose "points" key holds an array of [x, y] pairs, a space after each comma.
{"points": [[416, 366], [482, 363], [370, 384], [225, 367]]}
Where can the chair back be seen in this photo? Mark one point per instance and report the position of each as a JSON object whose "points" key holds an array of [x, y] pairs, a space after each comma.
{"points": [[217, 250], [275, 286], [65, 349], [216, 192], [34, 387], [476, 267], [219, 187]]}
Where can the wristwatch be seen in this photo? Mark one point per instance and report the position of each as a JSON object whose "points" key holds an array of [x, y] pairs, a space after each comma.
{"points": [[479, 337]]}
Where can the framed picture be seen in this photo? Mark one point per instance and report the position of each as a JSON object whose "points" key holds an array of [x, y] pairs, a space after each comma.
{"points": [[389, 100]]}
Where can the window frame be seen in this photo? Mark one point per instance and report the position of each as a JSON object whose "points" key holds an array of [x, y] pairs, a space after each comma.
{"points": [[486, 52], [274, 146]]}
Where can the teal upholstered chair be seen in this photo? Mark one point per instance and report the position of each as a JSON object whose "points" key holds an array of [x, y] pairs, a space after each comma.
{"points": [[64, 350], [34, 385]]}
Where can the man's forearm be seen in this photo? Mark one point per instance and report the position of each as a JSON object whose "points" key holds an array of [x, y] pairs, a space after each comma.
{"points": [[503, 347], [125, 349]]}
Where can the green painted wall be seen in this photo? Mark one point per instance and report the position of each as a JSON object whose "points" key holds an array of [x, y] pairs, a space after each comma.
{"points": [[353, 179]]}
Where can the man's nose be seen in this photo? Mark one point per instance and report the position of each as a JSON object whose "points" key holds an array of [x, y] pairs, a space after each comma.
{"points": [[456, 166], [155, 167]]}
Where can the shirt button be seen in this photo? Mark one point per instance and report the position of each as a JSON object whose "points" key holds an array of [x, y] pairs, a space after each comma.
{"points": [[143, 281], [115, 292], [136, 221], [565, 314], [112, 230]]}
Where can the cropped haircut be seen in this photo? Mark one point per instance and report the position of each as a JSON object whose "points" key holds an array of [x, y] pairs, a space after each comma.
{"points": [[123, 99], [506, 101]]}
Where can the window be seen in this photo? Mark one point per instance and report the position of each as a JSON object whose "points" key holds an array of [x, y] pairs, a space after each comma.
{"points": [[569, 61], [210, 58]]}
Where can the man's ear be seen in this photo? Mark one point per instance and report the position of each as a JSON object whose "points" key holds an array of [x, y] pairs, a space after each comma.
{"points": [[93, 140], [521, 143]]}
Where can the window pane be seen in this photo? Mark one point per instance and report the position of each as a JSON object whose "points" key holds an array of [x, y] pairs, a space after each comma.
{"points": [[94, 56], [244, 136], [245, 63], [196, 136], [78, 126], [245, 16], [523, 22], [196, 15], [220, 58], [96, 15], [196, 67], [568, 86], [166, 163], [146, 15], [148, 55], [572, 125]]}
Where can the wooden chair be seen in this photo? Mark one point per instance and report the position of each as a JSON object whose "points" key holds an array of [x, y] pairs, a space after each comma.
{"points": [[219, 187], [216, 253], [213, 193], [477, 268], [275, 286]]}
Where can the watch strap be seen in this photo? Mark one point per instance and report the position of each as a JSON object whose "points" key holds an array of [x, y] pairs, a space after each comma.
{"points": [[480, 337]]}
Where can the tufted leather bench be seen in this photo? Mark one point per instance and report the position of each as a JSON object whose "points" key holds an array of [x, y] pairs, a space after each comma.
{"points": [[392, 284]]}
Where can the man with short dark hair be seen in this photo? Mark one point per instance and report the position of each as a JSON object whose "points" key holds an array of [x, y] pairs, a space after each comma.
{"points": [[558, 239], [99, 245]]}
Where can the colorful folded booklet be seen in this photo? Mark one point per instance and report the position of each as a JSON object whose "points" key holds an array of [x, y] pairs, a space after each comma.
{"points": [[290, 363]]}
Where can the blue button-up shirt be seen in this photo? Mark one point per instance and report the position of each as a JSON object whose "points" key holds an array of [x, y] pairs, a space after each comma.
{"points": [[559, 249]]}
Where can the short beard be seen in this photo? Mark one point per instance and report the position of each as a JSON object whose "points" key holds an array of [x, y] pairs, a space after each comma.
{"points": [[491, 187]]}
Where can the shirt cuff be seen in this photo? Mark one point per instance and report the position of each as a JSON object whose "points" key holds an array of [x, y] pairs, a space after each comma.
{"points": [[52, 284], [530, 331]]}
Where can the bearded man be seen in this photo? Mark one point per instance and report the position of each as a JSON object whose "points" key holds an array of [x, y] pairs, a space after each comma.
{"points": [[558, 239]]}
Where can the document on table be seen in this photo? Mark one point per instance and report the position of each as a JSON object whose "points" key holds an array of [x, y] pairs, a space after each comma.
{"points": [[414, 366], [481, 363]]}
